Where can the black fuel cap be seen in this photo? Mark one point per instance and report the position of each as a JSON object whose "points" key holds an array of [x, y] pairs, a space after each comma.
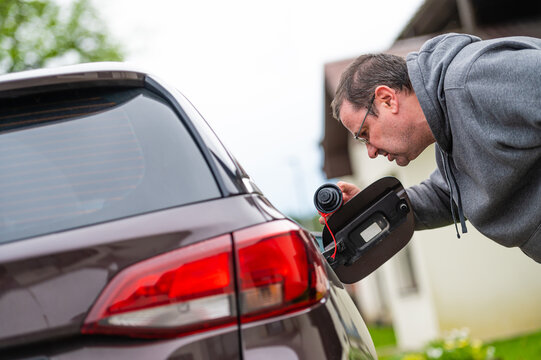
{"points": [[328, 198]]}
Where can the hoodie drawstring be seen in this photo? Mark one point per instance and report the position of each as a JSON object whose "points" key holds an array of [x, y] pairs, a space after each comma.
{"points": [[452, 187]]}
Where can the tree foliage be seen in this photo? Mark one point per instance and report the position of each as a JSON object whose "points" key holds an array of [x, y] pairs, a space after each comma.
{"points": [[40, 33]]}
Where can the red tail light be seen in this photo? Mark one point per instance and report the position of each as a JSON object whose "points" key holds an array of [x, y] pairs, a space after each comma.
{"points": [[192, 289], [279, 270], [181, 292]]}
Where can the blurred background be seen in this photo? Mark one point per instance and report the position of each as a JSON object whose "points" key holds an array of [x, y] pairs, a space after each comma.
{"points": [[253, 69], [263, 75], [255, 72]]}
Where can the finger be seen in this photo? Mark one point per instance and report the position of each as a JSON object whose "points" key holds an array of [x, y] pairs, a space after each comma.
{"points": [[347, 187], [348, 190]]}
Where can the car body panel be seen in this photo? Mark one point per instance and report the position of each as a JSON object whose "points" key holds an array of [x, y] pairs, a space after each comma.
{"points": [[222, 344]]}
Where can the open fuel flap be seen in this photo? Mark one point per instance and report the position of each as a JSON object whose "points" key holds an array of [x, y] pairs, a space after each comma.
{"points": [[369, 229]]}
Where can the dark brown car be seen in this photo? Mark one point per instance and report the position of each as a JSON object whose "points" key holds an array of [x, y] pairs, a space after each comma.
{"points": [[127, 231]]}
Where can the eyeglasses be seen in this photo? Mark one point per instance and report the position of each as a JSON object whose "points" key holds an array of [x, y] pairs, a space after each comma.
{"points": [[356, 136]]}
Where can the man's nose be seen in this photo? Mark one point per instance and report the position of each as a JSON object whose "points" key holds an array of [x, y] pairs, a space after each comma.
{"points": [[372, 151]]}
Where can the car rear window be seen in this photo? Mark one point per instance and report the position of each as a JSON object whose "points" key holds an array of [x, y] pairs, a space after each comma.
{"points": [[71, 159]]}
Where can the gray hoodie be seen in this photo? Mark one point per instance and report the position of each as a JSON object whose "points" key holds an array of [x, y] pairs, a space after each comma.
{"points": [[482, 100]]}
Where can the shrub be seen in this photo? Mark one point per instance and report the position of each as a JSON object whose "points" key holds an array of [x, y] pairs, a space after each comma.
{"points": [[456, 345]]}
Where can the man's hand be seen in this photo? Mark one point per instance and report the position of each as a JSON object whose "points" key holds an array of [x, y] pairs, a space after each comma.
{"points": [[348, 191]]}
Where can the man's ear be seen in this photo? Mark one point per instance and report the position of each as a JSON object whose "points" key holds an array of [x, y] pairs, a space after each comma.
{"points": [[387, 98]]}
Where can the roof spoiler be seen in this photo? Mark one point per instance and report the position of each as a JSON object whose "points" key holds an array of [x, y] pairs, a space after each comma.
{"points": [[76, 76]]}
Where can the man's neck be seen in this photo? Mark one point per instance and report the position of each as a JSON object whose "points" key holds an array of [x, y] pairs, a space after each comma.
{"points": [[419, 120]]}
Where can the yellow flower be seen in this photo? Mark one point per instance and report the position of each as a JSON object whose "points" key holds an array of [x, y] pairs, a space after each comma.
{"points": [[476, 344], [413, 357], [448, 344], [462, 343]]}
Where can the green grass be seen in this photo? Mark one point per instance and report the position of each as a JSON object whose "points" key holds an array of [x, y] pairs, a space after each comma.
{"points": [[384, 341], [525, 347], [383, 336]]}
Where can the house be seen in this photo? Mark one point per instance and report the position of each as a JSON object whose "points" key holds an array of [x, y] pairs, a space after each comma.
{"points": [[438, 282]]}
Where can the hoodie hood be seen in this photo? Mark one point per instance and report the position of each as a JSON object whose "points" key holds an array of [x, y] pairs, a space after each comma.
{"points": [[427, 69]]}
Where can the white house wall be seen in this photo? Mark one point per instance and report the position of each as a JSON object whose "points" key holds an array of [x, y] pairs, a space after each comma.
{"points": [[413, 315]]}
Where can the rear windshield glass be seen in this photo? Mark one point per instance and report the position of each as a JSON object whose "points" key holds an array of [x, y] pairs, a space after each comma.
{"points": [[84, 157]]}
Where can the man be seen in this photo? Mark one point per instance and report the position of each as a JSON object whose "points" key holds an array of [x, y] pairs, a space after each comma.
{"points": [[480, 102]]}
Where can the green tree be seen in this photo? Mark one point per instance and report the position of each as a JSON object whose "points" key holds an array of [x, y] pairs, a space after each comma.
{"points": [[36, 33]]}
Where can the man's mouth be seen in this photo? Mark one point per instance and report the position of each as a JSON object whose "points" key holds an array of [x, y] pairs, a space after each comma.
{"points": [[389, 156]]}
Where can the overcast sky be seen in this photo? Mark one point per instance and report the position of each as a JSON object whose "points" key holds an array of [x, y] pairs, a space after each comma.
{"points": [[254, 69]]}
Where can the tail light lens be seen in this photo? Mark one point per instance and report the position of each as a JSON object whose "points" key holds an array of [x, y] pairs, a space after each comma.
{"points": [[279, 270], [180, 292], [277, 267]]}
